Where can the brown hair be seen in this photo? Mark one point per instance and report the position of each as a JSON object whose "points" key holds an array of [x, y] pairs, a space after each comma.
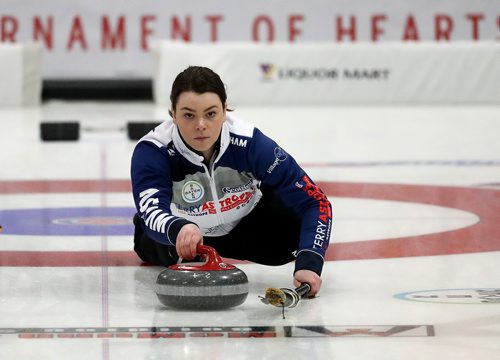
{"points": [[200, 80]]}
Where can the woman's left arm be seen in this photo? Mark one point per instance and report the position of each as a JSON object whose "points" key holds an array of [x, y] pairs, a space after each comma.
{"points": [[279, 171]]}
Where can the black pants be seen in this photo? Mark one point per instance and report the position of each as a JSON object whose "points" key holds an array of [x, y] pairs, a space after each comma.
{"points": [[268, 235]]}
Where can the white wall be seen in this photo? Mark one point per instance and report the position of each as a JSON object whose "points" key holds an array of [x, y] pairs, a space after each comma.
{"points": [[20, 75]]}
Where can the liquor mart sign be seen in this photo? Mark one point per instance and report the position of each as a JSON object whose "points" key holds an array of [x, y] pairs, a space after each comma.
{"points": [[93, 38]]}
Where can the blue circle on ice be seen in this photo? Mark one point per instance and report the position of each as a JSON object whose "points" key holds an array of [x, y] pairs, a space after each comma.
{"points": [[68, 221]]}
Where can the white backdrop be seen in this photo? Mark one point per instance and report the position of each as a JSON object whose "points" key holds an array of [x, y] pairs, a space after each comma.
{"points": [[111, 39], [20, 75], [326, 74]]}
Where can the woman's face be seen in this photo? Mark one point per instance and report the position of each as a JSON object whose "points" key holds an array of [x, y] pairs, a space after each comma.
{"points": [[199, 118]]}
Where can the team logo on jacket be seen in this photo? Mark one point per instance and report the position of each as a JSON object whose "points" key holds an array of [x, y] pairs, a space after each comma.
{"points": [[192, 191], [237, 188], [280, 156]]}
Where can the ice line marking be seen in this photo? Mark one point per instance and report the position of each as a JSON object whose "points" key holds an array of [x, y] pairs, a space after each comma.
{"points": [[232, 332]]}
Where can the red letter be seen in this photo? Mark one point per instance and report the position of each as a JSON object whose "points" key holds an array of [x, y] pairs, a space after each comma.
{"points": [[146, 31], [213, 20], [46, 34], [293, 32], [110, 39], [185, 34], [6, 33], [443, 32], [411, 31], [350, 31], [76, 34], [270, 28], [474, 18], [376, 31]]}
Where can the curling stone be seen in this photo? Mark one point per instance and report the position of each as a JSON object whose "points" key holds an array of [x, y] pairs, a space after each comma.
{"points": [[207, 286]]}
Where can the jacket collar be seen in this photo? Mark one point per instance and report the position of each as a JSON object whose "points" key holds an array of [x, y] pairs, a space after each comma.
{"points": [[195, 158]]}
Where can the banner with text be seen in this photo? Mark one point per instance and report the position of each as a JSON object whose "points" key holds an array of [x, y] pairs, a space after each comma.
{"points": [[111, 39], [326, 74]]}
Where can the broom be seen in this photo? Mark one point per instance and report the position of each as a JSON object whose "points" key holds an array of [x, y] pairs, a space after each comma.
{"points": [[285, 297]]}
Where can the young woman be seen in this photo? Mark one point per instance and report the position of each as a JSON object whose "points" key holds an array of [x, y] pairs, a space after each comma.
{"points": [[205, 176]]}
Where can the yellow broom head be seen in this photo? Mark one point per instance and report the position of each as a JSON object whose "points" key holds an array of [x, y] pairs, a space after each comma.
{"points": [[275, 297]]}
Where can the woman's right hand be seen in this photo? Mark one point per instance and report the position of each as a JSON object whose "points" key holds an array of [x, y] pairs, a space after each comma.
{"points": [[187, 240]]}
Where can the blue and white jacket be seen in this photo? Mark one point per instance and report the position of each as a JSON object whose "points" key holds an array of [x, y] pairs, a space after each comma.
{"points": [[172, 187]]}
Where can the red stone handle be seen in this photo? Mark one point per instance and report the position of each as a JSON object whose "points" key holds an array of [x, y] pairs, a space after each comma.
{"points": [[213, 261]]}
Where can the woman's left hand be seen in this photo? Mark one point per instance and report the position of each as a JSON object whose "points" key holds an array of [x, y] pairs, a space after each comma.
{"points": [[310, 277]]}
